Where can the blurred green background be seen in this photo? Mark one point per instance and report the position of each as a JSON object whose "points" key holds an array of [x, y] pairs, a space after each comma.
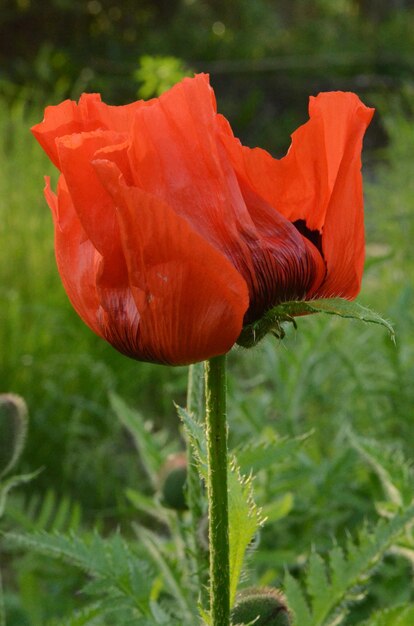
{"points": [[265, 58]]}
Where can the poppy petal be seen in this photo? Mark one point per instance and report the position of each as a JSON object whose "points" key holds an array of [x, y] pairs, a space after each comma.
{"points": [[176, 154], [76, 257], [92, 202], [89, 114], [190, 298], [318, 182]]}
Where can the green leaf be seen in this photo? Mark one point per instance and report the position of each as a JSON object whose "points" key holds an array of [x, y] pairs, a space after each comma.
{"points": [[279, 508], [388, 462], [397, 616], [297, 602], [84, 617], [265, 453], [272, 320], [331, 588], [195, 434], [115, 570], [144, 440], [169, 570], [245, 518], [318, 586]]}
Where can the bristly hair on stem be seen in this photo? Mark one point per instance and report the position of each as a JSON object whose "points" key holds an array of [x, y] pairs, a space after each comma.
{"points": [[216, 433]]}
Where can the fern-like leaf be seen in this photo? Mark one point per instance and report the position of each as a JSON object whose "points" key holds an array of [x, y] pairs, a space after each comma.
{"points": [[88, 616], [297, 602], [268, 452], [331, 586], [388, 462], [397, 616], [116, 572]]}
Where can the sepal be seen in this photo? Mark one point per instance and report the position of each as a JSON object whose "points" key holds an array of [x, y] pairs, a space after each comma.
{"points": [[272, 320]]}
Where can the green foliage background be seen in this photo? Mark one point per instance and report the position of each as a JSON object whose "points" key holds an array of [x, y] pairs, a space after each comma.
{"points": [[330, 376]]}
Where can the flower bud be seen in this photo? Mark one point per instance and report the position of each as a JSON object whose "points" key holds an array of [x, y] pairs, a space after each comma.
{"points": [[173, 479], [13, 429], [262, 606]]}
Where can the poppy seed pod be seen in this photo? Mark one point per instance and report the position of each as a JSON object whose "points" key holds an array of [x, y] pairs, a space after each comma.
{"points": [[171, 236], [13, 430], [262, 606], [173, 481]]}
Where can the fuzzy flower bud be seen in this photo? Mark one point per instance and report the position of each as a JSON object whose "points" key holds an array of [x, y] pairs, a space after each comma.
{"points": [[173, 478], [262, 606]]}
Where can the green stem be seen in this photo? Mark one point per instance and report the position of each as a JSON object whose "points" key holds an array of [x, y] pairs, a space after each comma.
{"points": [[195, 404], [216, 430]]}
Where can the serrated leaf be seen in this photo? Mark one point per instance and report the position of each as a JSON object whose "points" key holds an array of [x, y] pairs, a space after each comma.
{"points": [[287, 311], [265, 453], [297, 602], [111, 561], [350, 574], [397, 616], [338, 567], [84, 617], [395, 473], [245, 518], [318, 586]]}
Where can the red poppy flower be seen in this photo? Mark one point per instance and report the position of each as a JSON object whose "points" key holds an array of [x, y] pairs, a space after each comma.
{"points": [[170, 235]]}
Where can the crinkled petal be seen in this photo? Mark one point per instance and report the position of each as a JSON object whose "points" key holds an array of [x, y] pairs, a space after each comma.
{"points": [[89, 114], [191, 300], [177, 155], [318, 182]]}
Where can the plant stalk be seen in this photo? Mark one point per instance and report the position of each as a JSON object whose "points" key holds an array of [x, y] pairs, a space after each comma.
{"points": [[216, 432], [195, 405]]}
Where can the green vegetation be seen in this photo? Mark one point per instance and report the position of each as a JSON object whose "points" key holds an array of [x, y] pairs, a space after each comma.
{"points": [[323, 418]]}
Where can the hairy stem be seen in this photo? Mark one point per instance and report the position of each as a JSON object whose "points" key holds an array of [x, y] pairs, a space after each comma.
{"points": [[216, 430], [195, 404]]}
